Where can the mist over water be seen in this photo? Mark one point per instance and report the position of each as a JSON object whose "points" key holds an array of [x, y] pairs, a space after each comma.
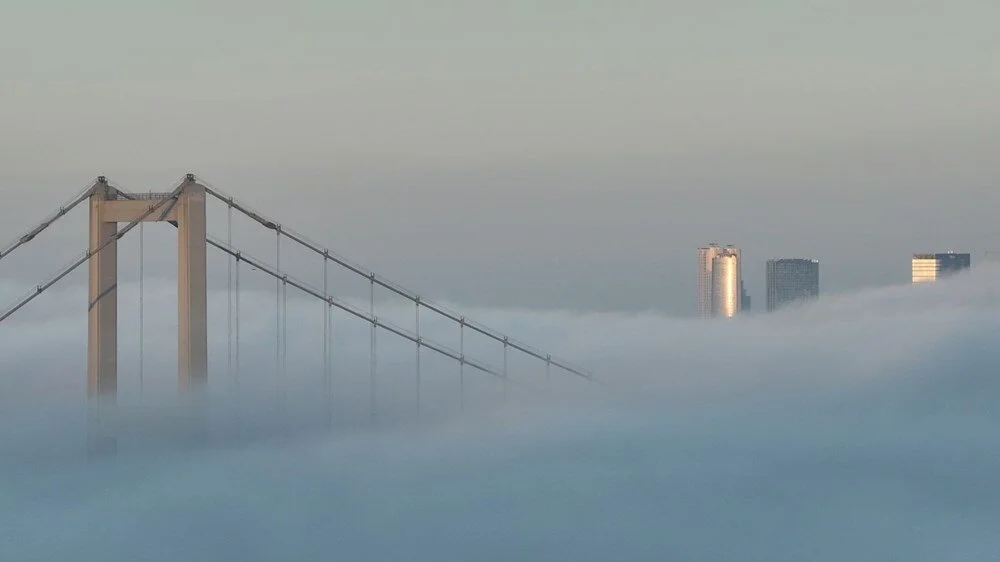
{"points": [[862, 427]]}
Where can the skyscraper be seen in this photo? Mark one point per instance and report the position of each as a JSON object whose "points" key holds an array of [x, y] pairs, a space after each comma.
{"points": [[727, 294], [706, 255], [927, 268], [720, 293], [791, 279]]}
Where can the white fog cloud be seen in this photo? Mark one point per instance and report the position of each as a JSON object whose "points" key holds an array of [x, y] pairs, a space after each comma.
{"points": [[860, 428]]}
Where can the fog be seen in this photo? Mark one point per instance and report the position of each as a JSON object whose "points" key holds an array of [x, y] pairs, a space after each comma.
{"points": [[862, 427]]}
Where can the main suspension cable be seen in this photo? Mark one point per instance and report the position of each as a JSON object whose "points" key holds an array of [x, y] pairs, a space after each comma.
{"points": [[436, 308], [48, 221], [352, 310], [39, 289]]}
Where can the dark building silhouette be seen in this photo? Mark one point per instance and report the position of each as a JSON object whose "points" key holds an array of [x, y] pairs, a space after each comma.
{"points": [[927, 268], [790, 280]]}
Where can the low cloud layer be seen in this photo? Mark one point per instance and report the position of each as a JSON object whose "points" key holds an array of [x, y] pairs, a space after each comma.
{"points": [[859, 428]]}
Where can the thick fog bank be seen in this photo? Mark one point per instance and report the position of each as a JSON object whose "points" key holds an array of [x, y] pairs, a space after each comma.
{"points": [[859, 428]]}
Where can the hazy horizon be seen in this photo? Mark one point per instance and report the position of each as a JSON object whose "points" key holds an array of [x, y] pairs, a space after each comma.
{"points": [[486, 154]]}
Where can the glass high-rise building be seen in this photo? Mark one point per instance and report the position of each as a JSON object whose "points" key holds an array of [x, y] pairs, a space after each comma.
{"points": [[706, 257], [790, 280], [927, 268], [727, 293], [720, 281]]}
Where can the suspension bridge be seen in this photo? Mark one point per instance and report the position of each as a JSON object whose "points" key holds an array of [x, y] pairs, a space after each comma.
{"points": [[116, 212]]}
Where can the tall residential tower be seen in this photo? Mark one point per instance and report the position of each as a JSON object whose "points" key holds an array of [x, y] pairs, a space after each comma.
{"points": [[720, 283], [790, 280], [928, 268], [705, 257]]}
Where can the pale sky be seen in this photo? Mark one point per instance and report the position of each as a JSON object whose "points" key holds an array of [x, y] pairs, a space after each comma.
{"points": [[530, 154]]}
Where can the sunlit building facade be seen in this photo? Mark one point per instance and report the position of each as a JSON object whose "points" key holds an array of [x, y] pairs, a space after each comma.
{"points": [[790, 280], [927, 268], [727, 293], [720, 283]]}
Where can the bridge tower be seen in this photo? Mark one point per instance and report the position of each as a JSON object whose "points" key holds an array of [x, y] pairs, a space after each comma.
{"points": [[186, 210]]}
